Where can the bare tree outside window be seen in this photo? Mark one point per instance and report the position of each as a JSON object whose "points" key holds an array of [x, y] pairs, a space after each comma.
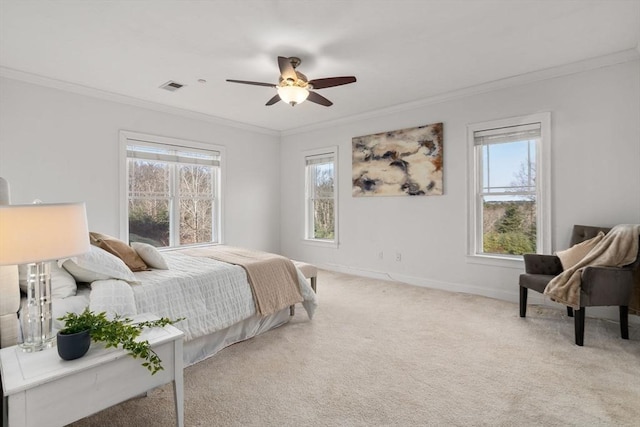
{"points": [[149, 202], [196, 203], [525, 181], [171, 203], [509, 207], [323, 209], [321, 196]]}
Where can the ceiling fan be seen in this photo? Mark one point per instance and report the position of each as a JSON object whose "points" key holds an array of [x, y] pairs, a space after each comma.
{"points": [[293, 86]]}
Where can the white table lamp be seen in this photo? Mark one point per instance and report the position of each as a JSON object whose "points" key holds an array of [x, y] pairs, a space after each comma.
{"points": [[34, 235]]}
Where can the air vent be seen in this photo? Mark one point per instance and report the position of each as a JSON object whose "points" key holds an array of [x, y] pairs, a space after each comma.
{"points": [[171, 86]]}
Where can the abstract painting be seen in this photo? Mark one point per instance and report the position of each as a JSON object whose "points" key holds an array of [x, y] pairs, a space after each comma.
{"points": [[405, 162]]}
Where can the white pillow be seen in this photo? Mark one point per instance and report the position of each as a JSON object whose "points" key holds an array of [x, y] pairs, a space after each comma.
{"points": [[113, 297], [98, 264], [63, 284], [150, 255], [573, 255], [73, 304]]}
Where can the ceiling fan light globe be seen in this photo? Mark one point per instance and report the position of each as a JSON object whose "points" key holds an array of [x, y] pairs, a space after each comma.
{"points": [[293, 94]]}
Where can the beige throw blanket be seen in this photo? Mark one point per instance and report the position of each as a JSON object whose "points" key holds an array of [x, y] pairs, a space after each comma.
{"points": [[618, 248], [273, 278]]}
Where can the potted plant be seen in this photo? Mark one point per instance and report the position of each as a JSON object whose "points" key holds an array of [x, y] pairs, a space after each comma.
{"points": [[80, 329]]}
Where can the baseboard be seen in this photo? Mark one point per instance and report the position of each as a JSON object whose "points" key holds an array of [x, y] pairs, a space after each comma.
{"points": [[425, 283], [534, 298]]}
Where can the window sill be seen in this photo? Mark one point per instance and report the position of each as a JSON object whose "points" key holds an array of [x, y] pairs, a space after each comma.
{"points": [[320, 243], [515, 262]]}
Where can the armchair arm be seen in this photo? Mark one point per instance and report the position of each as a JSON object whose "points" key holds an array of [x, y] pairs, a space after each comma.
{"points": [[542, 264], [613, 284]]}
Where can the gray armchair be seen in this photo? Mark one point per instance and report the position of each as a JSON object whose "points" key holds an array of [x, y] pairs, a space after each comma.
{"points": [[600, 286]]}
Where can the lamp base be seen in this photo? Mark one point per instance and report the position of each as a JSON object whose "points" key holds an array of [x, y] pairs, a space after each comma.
{"points": [[36, 315], [33, 347]]}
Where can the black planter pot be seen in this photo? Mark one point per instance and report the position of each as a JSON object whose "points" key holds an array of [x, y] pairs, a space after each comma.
{"points": [[73, 346]]}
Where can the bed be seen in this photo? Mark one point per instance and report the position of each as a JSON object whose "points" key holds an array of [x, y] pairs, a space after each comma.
{"points": [[216, 298]]}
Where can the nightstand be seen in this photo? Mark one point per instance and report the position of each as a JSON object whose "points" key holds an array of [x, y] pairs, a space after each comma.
{"points": [[42, 389]]}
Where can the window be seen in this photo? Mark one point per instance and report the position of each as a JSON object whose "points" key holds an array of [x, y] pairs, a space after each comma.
{"points": [[509, 196], [321, 196], [172, 191]]}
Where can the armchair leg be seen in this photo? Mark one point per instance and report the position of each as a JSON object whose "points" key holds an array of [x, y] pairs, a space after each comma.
{"points": [[569, 311], [523, 301], [579, 325], [624, 322]]}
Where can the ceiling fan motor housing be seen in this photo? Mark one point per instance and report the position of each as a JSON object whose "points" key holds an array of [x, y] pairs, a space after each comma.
{"points": [[293, 87], [301, 81]]}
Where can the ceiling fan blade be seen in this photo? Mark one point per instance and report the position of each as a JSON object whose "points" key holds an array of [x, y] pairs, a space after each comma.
{"points": [[273, 100], [319, 99], [251, 83], [332, 81], [286, 69]]}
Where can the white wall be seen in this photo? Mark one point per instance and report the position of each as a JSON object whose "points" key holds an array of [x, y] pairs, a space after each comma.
{"points": [[59, 146], [595, 180]]}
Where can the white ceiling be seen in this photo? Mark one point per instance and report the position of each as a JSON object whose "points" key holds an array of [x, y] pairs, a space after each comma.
{"points": [[399, 50]]}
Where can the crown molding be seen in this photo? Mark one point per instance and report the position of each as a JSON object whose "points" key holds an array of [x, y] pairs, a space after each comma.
{"points": [[36, 79], [518, 80], [522, 79]]}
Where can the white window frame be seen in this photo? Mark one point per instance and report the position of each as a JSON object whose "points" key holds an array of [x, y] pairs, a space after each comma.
{"points": [[543, 190], [308, 220], [136, 138]]}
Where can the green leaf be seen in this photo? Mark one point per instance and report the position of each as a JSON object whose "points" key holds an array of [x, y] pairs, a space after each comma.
{"points": [[117, 332]]}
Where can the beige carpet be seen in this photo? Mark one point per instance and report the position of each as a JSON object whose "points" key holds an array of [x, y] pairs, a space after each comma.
{"points": [[388, 354]]}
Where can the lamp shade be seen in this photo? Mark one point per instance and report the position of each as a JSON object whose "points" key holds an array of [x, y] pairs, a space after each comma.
{"points": [[293, 94], [42, 232]]}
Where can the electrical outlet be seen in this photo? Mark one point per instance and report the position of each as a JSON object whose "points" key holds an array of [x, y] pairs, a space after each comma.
{"points": [[398, 256]]}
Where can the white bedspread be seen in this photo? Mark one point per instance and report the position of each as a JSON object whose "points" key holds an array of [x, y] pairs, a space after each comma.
{"points": [[209, 294]]}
